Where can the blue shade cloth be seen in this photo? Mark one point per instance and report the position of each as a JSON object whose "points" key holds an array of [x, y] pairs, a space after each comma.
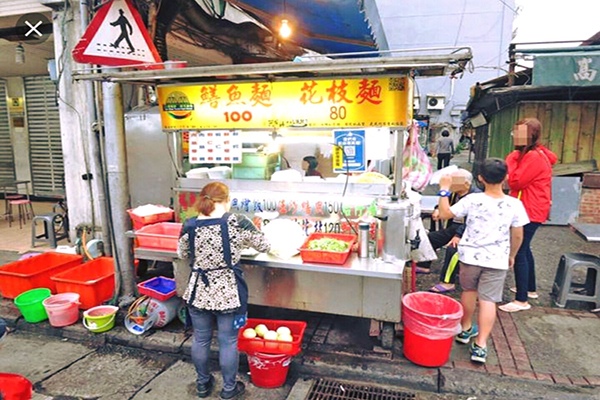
{"points": [[332, 26]]}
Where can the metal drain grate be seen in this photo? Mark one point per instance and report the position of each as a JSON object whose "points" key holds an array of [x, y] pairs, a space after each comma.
{"points": [[326, 389]]}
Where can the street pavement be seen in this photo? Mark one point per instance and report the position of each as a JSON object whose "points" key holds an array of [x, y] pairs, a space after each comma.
{"points": [[544, 353], [532, 357], [62, 369]]}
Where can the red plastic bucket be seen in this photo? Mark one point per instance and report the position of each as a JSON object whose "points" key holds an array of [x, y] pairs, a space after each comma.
{"points": [[14, 387], [430, 322], [268, 370], [426, 352], [62, 309]]}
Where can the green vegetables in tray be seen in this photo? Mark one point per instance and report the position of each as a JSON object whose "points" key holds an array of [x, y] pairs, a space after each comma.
{"points": [[328, 244]]}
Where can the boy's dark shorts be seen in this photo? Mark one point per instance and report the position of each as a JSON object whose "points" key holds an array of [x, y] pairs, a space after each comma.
{"points": [[488, 282]]}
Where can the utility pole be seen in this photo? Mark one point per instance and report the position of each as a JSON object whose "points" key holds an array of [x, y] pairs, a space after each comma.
{"points": [[118, 187], [74, 117], [93, 133], [512, 63]]}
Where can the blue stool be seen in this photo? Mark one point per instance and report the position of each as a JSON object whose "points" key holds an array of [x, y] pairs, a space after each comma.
{"points": [[563, 282]]}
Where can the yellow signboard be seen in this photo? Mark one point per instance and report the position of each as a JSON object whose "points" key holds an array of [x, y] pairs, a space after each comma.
{"points": [[328, 103]]}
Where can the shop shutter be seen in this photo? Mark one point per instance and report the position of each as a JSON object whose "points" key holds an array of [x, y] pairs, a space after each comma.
{"points": [[20, 7], [7, 161], [45, 149]]}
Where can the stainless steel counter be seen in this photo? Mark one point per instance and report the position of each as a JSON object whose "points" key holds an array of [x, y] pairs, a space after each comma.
{"points": [[354, 266], [360, 288]]}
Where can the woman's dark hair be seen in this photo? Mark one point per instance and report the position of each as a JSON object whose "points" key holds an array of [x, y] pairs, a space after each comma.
{"points": [[445, 133], [312, 162], [493, 170], [534, 131], [215, 192]]}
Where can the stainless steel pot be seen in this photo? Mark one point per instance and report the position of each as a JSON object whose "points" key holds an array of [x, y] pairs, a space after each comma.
{"points": [[394, 218]]}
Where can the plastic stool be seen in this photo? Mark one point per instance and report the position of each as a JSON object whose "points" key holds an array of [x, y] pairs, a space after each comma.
{"points": [[49, 235], [564, 276], [23, 213]]}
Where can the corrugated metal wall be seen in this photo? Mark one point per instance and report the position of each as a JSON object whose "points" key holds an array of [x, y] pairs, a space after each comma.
{"points": [[570, 129], [18, 7], [45, 148], [7, 161]]}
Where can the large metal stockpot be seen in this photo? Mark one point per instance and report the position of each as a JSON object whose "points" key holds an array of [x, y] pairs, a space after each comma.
{"points": [[394, 218]]}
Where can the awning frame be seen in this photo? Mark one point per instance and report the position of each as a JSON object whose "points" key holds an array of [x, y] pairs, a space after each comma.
{"points": [[453, 60]]}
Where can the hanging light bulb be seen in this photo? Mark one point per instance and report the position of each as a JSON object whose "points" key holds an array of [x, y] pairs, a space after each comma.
{"points": [[285, 31], [20, 54]]}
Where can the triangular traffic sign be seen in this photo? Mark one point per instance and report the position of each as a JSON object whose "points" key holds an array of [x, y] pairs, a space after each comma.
{"points": [[116, 36]]}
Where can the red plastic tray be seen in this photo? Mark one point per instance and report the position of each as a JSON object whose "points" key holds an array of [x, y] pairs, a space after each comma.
{"points": [[327, 257], [252, 346], [163, 235], [35, 272], [139, 222]]}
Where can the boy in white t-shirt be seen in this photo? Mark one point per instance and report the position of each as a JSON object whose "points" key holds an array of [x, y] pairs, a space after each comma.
{"points": [[493, 235]]}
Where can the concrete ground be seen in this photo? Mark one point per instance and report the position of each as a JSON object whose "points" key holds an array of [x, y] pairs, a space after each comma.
{"points": [[65, 370], [548, 245], [18, 239], [530, 354]]}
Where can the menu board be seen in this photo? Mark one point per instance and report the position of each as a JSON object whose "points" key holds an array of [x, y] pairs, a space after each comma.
{"points": [[215, 147]]}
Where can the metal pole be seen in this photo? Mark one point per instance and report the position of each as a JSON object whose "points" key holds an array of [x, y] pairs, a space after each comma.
{"points": [[511, 65], [93, 142], [399, 135], [118, 185]]}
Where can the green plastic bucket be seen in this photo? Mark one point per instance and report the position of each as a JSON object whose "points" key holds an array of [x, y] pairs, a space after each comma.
{"points": [[31, 304], [100, 319]]}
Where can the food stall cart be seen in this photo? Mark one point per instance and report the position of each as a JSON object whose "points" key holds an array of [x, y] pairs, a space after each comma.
{"points": [[249, 117]]}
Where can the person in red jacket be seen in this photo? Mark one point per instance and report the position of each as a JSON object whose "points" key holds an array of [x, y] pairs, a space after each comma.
{"points": [[530, 180]]}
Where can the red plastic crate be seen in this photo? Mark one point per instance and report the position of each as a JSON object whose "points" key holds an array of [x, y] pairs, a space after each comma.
{"points": [[139, 222], [35, 272], [257, 345], [163, 235], [94, 281], [327, 257]]}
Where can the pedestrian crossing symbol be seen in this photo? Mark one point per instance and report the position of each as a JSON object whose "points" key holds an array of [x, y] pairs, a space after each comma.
{"points": [[117, 36]]}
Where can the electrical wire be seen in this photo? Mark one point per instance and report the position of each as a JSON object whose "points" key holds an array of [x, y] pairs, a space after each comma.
{"points": [[462, 17], [345, 157], [509, 7]]}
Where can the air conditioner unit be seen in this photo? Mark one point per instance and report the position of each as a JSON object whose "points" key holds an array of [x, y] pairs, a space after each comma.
{"points": [[417, 104], [436, 102]]}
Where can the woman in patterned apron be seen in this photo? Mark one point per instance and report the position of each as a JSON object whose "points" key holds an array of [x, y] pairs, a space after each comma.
{"points": [[212, 243]]}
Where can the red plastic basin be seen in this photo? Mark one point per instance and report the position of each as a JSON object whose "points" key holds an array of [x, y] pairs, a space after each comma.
{"points": [[94, 281], [35, 272], [258, 345], [139, 222], [14, 387], [163, 235], [327, 257]]}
